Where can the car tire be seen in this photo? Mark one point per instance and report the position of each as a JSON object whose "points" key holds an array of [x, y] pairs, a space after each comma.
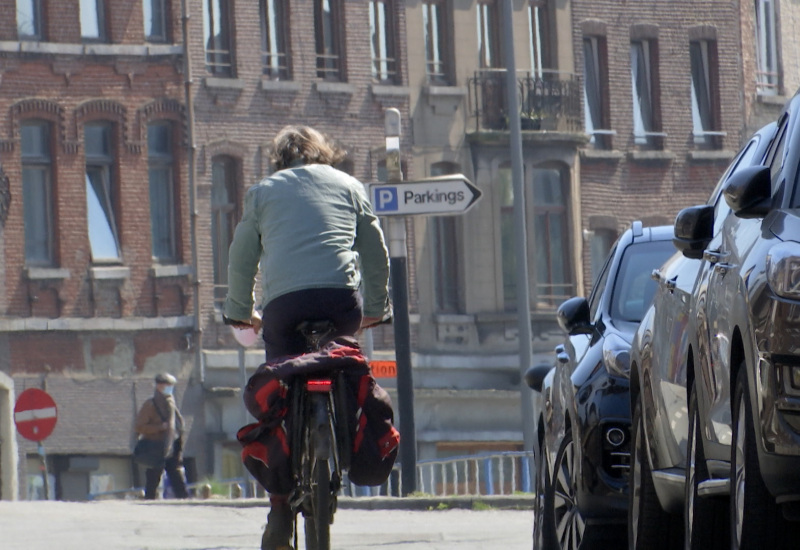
{"points": [[542, 515], [705, 518], [561, 498], [760, 527], [646, 518]]}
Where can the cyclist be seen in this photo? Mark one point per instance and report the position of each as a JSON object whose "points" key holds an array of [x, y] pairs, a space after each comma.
{"points": [[322, 255]]}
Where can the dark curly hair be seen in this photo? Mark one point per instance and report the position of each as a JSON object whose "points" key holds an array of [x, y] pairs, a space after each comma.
{"points": [[305, 145]]}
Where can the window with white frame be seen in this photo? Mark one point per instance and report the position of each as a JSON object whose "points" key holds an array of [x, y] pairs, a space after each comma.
{"points": [[437, 50], [644, 100], [488, 43], [447, 276], [224, 175], [92, 19], [703, 55], [537, 33], [37, 192], [101, 194], [766, 48], [217, 35], [327, 29], [155, 20], [382, 42], [160, 161], [275, 38], [29, 19], [595, 92]]}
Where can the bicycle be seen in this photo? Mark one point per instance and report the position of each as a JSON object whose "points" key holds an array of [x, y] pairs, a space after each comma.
{"points": [[320, 442]]}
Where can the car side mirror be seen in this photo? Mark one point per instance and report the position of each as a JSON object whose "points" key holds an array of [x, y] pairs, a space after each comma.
{"points": [[749, 192], [694, 228], [573, 316], [535, 376]]}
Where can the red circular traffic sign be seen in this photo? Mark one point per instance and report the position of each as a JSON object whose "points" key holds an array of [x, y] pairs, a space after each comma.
{"points": [[35, 414]]}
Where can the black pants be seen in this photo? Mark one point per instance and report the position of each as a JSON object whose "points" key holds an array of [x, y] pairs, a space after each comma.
{"points": [[174, 474], [282, 315]]}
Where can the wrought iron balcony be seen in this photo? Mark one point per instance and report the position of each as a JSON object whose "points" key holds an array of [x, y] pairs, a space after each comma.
{"points": [[547, 101]]}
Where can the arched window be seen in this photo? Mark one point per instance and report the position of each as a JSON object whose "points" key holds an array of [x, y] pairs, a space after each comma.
{"points": [[161, 175], [224, 215], [551, 234], [446, 271], [37, 192]]}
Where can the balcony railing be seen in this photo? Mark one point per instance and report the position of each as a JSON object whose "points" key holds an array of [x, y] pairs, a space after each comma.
{"points": [[547, 101]]}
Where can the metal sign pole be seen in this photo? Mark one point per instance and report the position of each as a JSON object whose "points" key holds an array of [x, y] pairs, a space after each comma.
{"points": [[402, 334], [43, 467]]}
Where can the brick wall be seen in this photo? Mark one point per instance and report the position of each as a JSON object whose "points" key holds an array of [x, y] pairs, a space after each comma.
{"points": [[632, 189]]}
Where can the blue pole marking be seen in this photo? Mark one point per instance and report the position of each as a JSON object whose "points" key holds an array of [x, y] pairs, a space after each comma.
{"points": [[386, 199]]}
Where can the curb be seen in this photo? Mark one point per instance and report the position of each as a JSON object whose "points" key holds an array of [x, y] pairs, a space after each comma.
{"points": [[423, 503]]}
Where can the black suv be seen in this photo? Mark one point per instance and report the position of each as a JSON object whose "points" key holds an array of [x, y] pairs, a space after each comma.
{"points": [[583, 437], [743, 365]]}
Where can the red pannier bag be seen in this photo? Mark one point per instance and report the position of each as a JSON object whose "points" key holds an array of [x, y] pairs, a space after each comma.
{"points": [[266, 444]]}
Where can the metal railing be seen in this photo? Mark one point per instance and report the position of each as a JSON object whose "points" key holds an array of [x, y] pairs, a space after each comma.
{"points": [[502, 473], [549, 100]]}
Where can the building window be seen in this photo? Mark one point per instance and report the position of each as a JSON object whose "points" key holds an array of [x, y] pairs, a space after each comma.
{"points": [[447, 278], [553, 278], [101, 199], [537, 31], [37, 192], [595, 92], [488, 43], [327, 25], [705, 100], [274, 38], [600, 245], [155, 20], [162, 191], [224, 172], [217, 32], [643, 78], [29, 19], [381, 26], [505, 187], [766, 48], [92, 20], [437, 51]]}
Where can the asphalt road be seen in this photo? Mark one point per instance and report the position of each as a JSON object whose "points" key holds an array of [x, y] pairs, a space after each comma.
{"points": [[136, 525]]}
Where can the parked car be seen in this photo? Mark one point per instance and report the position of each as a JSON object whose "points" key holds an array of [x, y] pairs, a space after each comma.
{"points": [[659, 407], [743, 366], [584, 439]]}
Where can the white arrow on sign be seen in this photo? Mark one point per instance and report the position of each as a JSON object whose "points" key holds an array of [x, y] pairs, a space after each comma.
{"points": [[451, 194]]}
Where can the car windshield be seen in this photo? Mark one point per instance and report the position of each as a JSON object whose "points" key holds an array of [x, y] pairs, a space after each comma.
{"points": [[633, 287]]}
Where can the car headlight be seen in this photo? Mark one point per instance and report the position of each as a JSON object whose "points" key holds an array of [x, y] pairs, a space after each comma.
{"points": [[783, 269], [617, 355]]}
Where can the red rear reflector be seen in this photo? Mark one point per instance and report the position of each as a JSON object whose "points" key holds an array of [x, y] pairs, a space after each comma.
{"points": [[321, 386]]}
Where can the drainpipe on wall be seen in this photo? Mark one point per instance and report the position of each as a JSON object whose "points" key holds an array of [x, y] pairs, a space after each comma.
{"points": [[187, 85]]}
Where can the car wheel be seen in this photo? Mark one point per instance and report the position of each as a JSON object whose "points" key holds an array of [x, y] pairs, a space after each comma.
{"points": [[705, 518], [760, 526], [568, 523], [646, 519], [542, 514]]}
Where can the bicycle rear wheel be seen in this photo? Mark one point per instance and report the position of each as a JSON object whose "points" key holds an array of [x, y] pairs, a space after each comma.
{"points": [[317, 527]]}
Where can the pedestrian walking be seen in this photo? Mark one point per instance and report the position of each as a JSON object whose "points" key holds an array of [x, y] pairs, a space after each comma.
{"points": [[160, 426]]}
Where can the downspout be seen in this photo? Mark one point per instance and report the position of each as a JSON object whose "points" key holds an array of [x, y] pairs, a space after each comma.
{"points": [[187, 86]]}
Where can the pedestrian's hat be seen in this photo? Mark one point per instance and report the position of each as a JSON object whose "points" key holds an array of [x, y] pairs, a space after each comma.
{"points": [[166, 378]]}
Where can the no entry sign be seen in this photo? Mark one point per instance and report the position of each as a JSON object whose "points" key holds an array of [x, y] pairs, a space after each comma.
{"points": [[35, 414]]}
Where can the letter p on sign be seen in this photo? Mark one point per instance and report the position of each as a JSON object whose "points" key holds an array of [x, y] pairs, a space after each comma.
{"points": [[385, 199]]}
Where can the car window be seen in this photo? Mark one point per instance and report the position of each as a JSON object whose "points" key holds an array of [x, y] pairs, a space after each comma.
{"points": [[634, 288], [600, 285], [775, 156], [745, 158]]}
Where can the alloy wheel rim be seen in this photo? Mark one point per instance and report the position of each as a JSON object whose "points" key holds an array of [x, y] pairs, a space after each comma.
{"points": [[569, 522], [636, 485], [739, 473]]}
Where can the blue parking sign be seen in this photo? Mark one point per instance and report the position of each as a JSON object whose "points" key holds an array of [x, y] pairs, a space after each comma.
{"points": [[385, 199]]}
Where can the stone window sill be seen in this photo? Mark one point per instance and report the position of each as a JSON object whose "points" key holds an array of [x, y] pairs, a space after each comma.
{"points": [[110, 273], [47, 273], [160, 271]]}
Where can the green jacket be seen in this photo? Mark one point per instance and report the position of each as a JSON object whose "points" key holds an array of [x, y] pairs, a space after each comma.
{"points": [[309, 227]]}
